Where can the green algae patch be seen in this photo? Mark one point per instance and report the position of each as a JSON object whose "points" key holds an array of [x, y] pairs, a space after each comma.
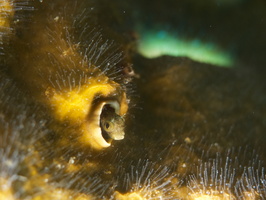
{"points": [[153, 44]]}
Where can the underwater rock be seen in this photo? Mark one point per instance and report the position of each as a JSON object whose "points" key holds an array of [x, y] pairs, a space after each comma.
{"points": [[28, 168], [207, 104], [195, 132], [68, 68], [205, 124]]}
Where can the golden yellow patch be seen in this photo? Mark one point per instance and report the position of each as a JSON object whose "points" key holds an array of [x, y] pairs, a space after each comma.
{"points": [[5, 190], [62, 194], [76, 104], [6, 11], [128, 196]]}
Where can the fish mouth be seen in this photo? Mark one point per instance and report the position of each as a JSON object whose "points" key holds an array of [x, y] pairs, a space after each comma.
{"points": [[100, 137]]}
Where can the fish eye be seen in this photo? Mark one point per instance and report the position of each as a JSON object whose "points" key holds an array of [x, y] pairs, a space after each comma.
{"points": [[107, 125]]}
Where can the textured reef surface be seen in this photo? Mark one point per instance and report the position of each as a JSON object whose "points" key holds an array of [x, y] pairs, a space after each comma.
{"points": [[132, 99]]}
